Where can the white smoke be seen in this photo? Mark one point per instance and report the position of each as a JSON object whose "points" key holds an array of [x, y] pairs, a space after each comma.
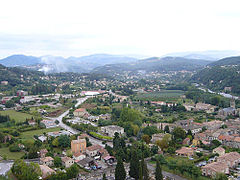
{"points": [[53, 64]]}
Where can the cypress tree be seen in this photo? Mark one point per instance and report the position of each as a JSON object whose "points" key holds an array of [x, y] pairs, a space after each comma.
{"points": [[104, 177], [120, 173], [134, 165], [158, 173], [145, 171]]}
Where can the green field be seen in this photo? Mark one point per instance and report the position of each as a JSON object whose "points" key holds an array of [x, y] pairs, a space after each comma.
{"points": [[28, 135], [162, 95], [4, 152], [17, 116]]}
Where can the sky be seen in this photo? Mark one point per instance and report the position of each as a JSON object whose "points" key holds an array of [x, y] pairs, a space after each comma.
{"points": [[128, 27]]}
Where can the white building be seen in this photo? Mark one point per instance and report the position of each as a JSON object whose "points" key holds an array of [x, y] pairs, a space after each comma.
{"points": [[112, 129]]}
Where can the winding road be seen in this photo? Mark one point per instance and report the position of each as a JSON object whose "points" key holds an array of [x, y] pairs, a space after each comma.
{"points": [[74, 131]]}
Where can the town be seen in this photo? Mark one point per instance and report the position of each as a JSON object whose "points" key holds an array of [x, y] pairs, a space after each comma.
{"points": [[98, 128]]}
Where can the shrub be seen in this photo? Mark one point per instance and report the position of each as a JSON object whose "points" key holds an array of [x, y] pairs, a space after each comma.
{"points": [[100, 136]]}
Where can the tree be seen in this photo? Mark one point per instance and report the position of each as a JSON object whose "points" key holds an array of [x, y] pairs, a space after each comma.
{"points": [[164, 143], [55, 142], [158, 172], [146, 138], [216, 143], [64, 141], [166, 129], [104, 177], [120, 173], [221, 176], [150, 130], [72, 172], [144, 170], [24, 171], [178, 133], [57, 161], [134, 165], [130, 115]]}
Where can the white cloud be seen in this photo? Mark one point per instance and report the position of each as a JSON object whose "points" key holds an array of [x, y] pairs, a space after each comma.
{"points": [[151, 27]]}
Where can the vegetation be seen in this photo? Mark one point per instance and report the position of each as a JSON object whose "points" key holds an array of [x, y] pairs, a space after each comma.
{"points": [[17, 116], [120, 173], [94, 134], [158, 172], [24, 171]]}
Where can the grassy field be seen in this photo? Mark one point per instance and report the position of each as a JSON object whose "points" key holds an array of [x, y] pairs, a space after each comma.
{"points": [[162, 95], [28, 135], [17, 116], [4, 152]]}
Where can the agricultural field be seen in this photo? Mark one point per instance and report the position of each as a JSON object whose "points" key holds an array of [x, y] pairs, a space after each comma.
{"points": [[17, 116], [171, 95], [4, 152]]}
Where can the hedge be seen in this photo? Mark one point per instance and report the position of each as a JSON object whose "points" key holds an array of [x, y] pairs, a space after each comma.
{"points": [[100, 136]]}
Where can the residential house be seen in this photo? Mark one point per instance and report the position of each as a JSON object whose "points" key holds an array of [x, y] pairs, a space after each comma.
{"points": [[219, 150], [4, 83], [32, 122], [157, 137], [105, 116], [86, 162], [213, 168], [189, 107], [49, 123], [67, 161], [231, 159], [227, 111], [59, 133], [78, 156], [190, 125], [213, 125], [42, 138], [48, 161], [79, 112], [161, 126], [159, 103], [112, 129], [46, 171], [185, 151], [93, 150], [186, 141], [43, 153], [22, 93], [230, 141], [208, 108]]}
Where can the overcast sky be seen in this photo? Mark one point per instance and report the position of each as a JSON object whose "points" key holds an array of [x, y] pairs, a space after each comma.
{"points": [[136, 27]]}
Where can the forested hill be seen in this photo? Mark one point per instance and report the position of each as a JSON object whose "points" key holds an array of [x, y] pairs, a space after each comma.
{"points": [[155, 64], [218, 77], [16, 76], [227, 61]]}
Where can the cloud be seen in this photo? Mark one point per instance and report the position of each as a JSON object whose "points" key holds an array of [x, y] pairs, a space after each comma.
{"points": [[152, 27]]}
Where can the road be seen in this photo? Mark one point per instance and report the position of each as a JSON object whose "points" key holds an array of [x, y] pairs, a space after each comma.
{"points": [[165, 174], [74, 131], [5, 167]]}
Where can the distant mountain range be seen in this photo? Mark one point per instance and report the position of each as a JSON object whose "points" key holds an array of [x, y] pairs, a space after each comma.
{"points": [[155, 64], [210, 55], [60, 64], [108, 64]]}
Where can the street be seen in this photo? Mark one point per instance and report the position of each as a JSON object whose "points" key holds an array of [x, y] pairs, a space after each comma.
{"points": [[74, 131]]}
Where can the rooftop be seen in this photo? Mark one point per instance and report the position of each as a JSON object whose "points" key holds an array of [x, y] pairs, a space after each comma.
{"points": [[46, 159], [216, 166]]}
